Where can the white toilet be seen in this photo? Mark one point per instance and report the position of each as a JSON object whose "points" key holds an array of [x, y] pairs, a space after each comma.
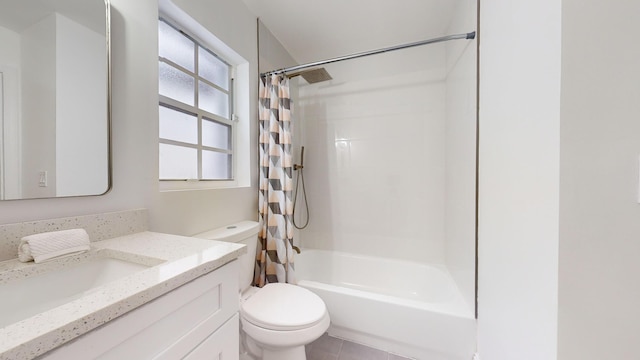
{"points": [[278, 320]]}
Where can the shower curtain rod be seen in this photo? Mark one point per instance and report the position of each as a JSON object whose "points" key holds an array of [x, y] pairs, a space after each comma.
{"points": [[468, 36]]}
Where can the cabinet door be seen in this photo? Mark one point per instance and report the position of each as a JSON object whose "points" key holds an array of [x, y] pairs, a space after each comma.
{"points": [[223, 344]]}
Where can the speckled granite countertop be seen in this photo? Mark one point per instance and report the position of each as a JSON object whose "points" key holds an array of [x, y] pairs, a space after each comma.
{"points": [[174, 260]]}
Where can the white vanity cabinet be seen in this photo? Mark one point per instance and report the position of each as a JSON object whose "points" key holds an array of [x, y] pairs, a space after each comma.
{"points": [[198, 320]]}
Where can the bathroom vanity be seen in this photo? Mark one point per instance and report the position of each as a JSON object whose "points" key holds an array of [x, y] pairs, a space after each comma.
{"points": [[181, 302]]}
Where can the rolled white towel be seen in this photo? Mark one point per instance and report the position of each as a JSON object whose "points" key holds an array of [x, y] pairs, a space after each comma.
{"points": [[45, 246], [24, 252]]}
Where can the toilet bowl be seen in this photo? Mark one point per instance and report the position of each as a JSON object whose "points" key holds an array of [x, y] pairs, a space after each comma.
{"points": [[278, 320]]}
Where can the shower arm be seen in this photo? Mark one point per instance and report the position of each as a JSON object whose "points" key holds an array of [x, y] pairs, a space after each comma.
{"points": [[467, 36]]}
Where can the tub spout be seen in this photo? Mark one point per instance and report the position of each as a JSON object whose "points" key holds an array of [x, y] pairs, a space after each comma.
{"points": [[297, 249]]}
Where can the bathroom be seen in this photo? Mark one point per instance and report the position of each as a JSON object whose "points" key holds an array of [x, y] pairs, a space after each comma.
{"points": [[557, 196]]}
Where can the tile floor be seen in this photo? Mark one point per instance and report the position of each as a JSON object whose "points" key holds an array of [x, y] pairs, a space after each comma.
{"points": [[331, 348]]}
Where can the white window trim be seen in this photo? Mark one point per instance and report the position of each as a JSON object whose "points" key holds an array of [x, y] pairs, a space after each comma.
{"points": [[240, 107]]}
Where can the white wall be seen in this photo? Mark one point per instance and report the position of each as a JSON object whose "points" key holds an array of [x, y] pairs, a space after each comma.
{"points": [[81, 103], [10, 46], [38, 79], [460, 140], [135, 129], [519, 179], [599, 214], [272, 54], [375, 164], [10, 117]]}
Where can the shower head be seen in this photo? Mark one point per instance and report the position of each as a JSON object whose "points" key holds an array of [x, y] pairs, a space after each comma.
{"points": [[313, 76]]}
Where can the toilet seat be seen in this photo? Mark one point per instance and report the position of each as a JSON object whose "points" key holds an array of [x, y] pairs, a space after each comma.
{"points": [[284, 307]]}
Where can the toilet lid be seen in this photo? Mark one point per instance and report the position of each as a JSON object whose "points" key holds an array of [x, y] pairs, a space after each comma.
{"points": [[279, 306]]}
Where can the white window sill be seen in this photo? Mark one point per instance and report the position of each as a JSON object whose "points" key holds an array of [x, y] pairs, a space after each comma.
{"points": [[186, 185]]}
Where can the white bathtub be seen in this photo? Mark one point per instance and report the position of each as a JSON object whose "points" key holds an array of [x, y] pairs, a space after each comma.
{"points": [[403, 307]]}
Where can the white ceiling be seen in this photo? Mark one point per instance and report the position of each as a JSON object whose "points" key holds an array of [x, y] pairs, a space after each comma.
{"points": [[314, 30]]}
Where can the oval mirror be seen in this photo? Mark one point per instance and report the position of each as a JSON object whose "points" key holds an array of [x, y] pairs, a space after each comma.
{"points": [[55, 98]]}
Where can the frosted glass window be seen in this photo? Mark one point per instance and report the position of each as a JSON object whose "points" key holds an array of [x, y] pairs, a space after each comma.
{"points": [[213, 100], [213, 69], [178, 162], [178, 126], [176, 47], [215, 165], [195, 109], [215, 134], [176, 84]]}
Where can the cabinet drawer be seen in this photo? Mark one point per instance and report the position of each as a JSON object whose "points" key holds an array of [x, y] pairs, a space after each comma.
{"points": [[223, 344]]}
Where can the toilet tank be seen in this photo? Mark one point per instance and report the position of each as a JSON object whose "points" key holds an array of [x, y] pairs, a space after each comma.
{"points": [[244, 232]]}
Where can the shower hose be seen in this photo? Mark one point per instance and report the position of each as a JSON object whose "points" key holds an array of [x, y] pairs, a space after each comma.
{"points": [[300, 179]]}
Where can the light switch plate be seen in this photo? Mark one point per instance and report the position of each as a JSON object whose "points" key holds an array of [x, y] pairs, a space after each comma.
{"points": [[42, 181]]}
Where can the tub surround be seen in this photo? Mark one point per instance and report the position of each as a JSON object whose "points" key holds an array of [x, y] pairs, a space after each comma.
{"points": [[174, 260]]}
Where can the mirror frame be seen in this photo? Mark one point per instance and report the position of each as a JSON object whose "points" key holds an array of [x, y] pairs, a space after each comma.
{"points": [[107, 5]]}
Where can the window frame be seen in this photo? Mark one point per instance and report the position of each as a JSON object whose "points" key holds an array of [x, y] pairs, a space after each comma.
{"points": [[201, 114]]}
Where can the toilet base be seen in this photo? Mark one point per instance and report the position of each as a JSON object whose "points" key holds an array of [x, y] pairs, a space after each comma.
{"points": [[250, 351], [295, 353]]}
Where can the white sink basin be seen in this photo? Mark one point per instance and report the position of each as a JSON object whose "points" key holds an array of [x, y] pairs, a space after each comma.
{"points": [[23, 298]]}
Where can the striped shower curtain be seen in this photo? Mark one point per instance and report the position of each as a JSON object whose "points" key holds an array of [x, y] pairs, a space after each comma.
{"points": [[274, 260]]}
